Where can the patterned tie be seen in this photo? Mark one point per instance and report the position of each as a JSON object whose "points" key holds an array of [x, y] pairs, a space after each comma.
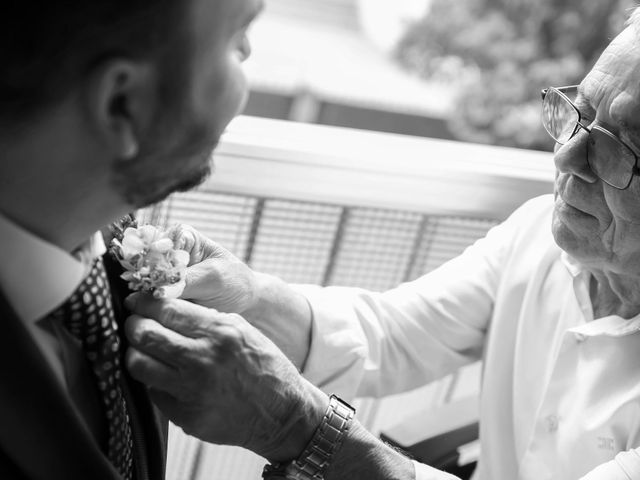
{"points": [[88, 315]]}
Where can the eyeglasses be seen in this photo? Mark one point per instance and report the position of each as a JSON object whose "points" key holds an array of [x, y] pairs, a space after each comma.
{"points": [[612, 160]]}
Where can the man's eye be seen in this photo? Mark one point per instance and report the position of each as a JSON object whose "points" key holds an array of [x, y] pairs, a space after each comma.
{"points": [[587, 117], [587, 114]]}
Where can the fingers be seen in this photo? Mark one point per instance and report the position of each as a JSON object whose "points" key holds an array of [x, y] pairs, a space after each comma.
{"points": [[200, 247], [174, 410], [152, 372], [165, 401], [215, 278], [202, 280], [185, 238], [186, 318], [154, 339]]}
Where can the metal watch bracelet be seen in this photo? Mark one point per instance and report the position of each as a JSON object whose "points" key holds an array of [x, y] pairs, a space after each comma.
{"points": [[316, 457]]}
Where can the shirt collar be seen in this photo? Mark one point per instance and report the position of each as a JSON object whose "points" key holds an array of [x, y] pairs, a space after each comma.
{"points": [[573, 266], [612, 325], [37, 276]]}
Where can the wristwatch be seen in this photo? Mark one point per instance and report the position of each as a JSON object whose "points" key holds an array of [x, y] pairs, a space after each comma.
{"points": [[326, 440]]}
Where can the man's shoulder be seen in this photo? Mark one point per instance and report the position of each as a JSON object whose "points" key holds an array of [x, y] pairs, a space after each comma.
{"points": [[531, 222], [531, 230], [534, 210]]}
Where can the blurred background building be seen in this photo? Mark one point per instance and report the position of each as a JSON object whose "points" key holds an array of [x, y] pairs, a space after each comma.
{"points": [[468, 70], [329, 62]]}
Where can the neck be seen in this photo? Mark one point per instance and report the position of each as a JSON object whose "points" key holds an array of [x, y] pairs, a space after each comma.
{"points": [[53, 187], [614, 294]]}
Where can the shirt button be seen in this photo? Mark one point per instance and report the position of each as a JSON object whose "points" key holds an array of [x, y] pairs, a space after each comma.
{"points": [[552, 423], [580, 337]]}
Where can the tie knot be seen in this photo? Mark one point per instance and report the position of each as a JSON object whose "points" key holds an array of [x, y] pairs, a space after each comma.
{"points": [[89, 306]]}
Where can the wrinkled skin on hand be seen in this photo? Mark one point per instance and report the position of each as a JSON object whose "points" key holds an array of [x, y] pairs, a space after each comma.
{"points": [[219, 378], [215, 277]]}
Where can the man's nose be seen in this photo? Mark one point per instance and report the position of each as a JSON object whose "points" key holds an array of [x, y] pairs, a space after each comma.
{"points": [[571, 157]]}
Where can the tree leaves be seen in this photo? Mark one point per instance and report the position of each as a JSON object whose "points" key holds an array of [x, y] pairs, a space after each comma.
{"points": [[499, 54]]}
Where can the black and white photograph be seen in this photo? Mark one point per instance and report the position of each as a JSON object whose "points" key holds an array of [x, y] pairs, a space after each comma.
{"points": [[320, 240]]}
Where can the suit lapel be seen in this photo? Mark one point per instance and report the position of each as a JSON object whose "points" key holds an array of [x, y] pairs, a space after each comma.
{"points": [[41, 432], [150, 428]]}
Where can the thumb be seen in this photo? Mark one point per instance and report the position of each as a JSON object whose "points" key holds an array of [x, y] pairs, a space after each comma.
{"points": [[187, 238], [201, 280]]}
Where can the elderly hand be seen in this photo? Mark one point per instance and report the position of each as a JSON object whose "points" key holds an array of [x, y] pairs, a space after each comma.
{"points": [[215, 277], [219, 378]]}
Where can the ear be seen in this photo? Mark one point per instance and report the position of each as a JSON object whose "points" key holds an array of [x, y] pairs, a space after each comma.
{"points": [[122, 98]]}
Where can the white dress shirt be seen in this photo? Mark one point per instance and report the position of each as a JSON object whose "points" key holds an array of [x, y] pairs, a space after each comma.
{"points": [[560, 390], [37, 277]]}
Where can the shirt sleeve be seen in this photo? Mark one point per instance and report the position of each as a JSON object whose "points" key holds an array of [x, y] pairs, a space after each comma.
{"points": [[369, 344], [625, 466], [425, 472]]}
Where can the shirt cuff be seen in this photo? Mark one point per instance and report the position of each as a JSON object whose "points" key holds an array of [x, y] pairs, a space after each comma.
{"points": [[336, 358], [425, 472], [625, 466]]}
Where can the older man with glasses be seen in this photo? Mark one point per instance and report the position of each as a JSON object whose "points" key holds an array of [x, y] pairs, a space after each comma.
{"points": [[549, 301]]}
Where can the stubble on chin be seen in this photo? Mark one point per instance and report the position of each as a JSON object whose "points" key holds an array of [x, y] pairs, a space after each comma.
{"points": [[140, 187], [160, 170]]}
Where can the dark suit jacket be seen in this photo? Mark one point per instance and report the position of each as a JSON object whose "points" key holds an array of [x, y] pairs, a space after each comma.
{"points": [[41, 434]]}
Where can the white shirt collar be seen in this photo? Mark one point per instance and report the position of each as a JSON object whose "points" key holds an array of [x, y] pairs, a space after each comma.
{"points": [[36, 276], [573, 266], [612, 325]]}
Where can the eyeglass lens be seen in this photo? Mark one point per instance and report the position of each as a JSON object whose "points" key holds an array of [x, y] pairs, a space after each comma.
{"points": [[609, 159], [558, 116]]}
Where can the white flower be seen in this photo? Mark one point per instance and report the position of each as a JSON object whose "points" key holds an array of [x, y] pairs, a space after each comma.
{"points": [[151, 261]]}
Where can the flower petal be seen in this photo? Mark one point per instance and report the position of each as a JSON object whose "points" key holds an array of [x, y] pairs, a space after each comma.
{"points": [[132, 244], [163, 245], [148, 233], [128, 276]]}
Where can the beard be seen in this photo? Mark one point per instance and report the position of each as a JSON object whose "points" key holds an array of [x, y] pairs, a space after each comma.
{"points": [[168, 163]]}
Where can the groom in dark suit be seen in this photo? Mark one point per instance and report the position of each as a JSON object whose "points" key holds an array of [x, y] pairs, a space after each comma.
{"points": [[105, 106]]}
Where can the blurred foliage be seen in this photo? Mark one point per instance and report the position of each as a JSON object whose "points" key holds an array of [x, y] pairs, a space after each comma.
{"points": [[499, 54]]}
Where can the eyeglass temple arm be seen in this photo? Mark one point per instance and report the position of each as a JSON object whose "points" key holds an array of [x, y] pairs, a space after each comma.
{"points": [[543, 92]]}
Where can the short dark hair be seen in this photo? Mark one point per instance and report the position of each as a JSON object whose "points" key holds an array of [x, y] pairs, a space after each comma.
{"points": [[48, 46]]}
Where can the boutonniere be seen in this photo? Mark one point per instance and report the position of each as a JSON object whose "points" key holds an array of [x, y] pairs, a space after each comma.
{"points": [[150, 259]]}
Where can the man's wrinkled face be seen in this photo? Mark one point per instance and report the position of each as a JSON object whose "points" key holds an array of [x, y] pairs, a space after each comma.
{"points": [[595, 223], [176, 155]]}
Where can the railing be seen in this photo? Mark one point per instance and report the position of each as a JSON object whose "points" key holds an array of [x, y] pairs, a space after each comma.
{"points": [[336, 206]]}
